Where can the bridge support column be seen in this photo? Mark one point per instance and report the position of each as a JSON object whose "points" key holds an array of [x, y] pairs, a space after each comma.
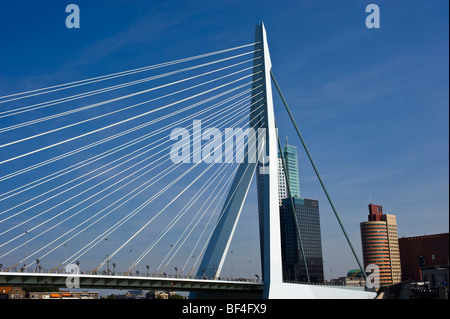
{"points": [[218, 246]]}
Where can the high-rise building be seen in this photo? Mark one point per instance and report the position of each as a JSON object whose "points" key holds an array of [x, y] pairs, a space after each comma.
{"points": [[289, 154], [420, 252], [307, 213], [380, 244], [282, 186]]}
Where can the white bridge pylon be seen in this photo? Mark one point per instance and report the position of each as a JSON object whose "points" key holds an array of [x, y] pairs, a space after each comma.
{"points": [[268, 206], [271, 240]]}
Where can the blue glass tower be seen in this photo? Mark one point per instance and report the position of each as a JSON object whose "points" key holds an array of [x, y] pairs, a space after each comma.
{"points": [[289, 154]]}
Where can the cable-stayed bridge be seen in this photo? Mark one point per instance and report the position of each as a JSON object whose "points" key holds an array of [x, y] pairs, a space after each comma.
{"points": [[145, 166]]}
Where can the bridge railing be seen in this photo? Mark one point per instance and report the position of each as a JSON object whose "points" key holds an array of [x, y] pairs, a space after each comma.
{"points": [[127, 274], [161, 276]]}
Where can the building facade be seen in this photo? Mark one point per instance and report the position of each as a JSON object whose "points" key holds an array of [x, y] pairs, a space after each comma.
{"points": [[380, 246], [282, 186], [289, 154], [307, 213], [423, 252]]}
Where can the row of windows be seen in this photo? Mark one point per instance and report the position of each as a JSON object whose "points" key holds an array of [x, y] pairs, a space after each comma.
{"points": [[366, 232]]}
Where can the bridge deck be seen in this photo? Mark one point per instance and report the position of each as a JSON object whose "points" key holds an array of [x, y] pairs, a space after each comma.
{"points": [[125, 282]]}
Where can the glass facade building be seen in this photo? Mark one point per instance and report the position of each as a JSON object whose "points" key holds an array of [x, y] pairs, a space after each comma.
{"points": [[289, 155], [307, 212]]}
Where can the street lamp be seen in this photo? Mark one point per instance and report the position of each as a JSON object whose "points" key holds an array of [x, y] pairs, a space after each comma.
{"points": [[106, 253], [171, 270], [38, 266], [65, 250], [78, 264], [231, 252], [26, 243], [131, 257]]}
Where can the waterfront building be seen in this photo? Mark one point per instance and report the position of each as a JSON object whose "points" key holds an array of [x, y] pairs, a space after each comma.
{"points": [[380, 244], [282, 186], [307, 213], [289, 154], [421, 254]]}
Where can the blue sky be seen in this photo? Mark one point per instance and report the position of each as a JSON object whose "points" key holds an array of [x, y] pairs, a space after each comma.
{"points": [[372, 104]]}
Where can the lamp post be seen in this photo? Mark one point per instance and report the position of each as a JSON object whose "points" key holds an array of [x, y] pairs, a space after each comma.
{"points": [[131, 257], [26, 244], [106, 253], [38, 266], [65, 261], [231, 252], [171, 269]]}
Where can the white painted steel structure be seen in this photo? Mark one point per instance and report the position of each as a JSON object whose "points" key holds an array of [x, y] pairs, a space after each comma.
{"points": [[274, 287], [262, 120]]}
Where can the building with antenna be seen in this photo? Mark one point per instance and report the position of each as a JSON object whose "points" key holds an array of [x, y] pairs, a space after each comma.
{"points": [[380, 245]]}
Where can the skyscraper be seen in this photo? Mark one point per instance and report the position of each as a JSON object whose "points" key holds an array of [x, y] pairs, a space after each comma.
{"points": [[289, 154], [307, 213], [380, 244], [282, 186], [308, 223]]}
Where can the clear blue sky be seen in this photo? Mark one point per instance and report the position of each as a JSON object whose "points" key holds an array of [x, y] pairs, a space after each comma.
{"points": [[372, 104]]}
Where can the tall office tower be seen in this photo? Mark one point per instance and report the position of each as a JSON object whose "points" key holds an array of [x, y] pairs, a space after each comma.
{"points": [[289, 153], [282, 186], [307, 213], [380, 244]]}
